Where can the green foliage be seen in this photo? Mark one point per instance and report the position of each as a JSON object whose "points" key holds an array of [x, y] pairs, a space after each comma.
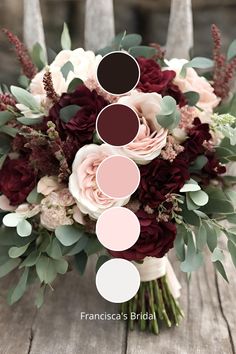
{"points": [[74, 84], [30, 121], [25, 98], [194, 258], [38, 56], [142, 51], [81, 260], [7, 267], [34, 197], [16, 293], [66, 68], [5, 117], [65, 38], [192, 97], [68, 112], [101, 260], [231, 53], [197, 63], [68, 235], [169, 116]]}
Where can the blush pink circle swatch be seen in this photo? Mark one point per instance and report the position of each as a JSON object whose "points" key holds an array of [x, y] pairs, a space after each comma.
{"points": [[111, 121], [118, 228], [118, 177]]}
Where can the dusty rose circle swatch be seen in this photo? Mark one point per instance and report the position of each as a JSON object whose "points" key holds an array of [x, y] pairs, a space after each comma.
{"points": [[118, 73], [117, 177], [117, 124], [117, 280], [117, 228]]}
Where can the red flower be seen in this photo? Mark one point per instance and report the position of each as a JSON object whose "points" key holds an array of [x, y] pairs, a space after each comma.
{"points": [[17, 179], [159, 178], [153, 79], [155, 240], [80, 128]]}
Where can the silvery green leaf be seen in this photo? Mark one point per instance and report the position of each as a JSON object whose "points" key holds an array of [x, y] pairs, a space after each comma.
{"points": [[101, 260], [192, 97], [211, 236], [15, 252], [131, 40], [5, 116], [190, 203], [2, 160], [12, 219], [40, 297], [16, 293], [217, 255], [38, 56], [7, 267], [220, 268], [232, 251], [197, 63], [168, 105], [190, 186], [61, 266], [193, 258], [24, 228], [179, 242], [66, 68], [200, 198], [81, 260], [45, 268], [24, 97], [65, 38], [30, 121], [54, 249], [74, 84], [231, 53], [142, 51], [9, 130], [31, 259], [116, 41], [34, 197], [201, 237], [68, 112], [68, 234]]}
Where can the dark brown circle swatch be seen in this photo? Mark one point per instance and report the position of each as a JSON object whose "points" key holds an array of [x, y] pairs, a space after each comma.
{"points": [[117, 124], [118, 73]]}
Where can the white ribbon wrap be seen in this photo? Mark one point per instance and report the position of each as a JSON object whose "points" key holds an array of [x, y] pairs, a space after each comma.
{"points": [[153, 268]]}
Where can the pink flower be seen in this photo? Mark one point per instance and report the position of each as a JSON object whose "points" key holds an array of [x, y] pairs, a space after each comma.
{"points": [[151, 137], [193, 82], [47, 185], [54, 210], [82, 184], [5, 204]]}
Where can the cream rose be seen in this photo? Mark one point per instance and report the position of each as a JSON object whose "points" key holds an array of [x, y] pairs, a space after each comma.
{"points": [[84, 62], [193, 82], [151, 137], [82, 183]]}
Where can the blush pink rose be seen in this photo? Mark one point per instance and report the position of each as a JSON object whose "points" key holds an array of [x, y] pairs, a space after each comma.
{"points": [[193, 82], [151, 137], [82, 183]]}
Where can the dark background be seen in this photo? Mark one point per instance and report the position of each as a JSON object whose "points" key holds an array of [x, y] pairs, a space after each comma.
{"points": [[147, 17]]}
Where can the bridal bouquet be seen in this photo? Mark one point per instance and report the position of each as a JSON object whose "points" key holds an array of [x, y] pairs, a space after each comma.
{"points": [[51, 150]]}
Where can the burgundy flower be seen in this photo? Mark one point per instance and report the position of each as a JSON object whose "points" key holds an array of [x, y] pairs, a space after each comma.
{"points": [[153, 79], [159, 178], [17, 179], [193, 146], [80, 128], [155, 240]]}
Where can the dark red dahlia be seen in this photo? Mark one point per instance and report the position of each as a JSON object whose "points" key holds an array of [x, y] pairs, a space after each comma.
{"points": [[80, 128], [159, 178], [155, 240], [197, 135], [17, 179], [153, 79]]}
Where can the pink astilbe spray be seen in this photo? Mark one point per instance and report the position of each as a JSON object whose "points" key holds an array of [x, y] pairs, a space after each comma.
{"points": [[48, 87], [223, 70], [28, 67], [6, 100]]}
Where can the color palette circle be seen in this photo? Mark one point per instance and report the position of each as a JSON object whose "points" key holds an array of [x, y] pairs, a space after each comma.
{"points": [[117, 228], [118, 73], [117, 124], [118, 177], [117, 280]]}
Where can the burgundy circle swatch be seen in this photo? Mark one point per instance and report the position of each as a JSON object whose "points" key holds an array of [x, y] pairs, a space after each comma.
{"points": [[117, 228], [117, 124], [118, 177], [118, 73]]}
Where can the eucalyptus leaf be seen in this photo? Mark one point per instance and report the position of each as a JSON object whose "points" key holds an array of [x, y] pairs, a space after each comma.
{"points": [[193, 258], [12, 219], [200, 198], [220, 269], [40, 297], [231, 53], [76, 82], [179, 243], [65, 38], [24, 228], [68, 112], [211, 236], [217, 255], [190, 203], [116, 41], [20, 289], [9, 266], [142, 51], [25, 98], [46, 270], [68, 234], [5, 116], [79, 246], [192, 97], [54, 249], [201, 237], [30, 121], [2, 160], [5, 144], [93, 246], [9, 130], [15, 252], [131, 40], [81, 260], [232, 251], [61, 266], [31, 259], [38, 56], [101, 260], [34, 197], [66, 68], [190, 186]]}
